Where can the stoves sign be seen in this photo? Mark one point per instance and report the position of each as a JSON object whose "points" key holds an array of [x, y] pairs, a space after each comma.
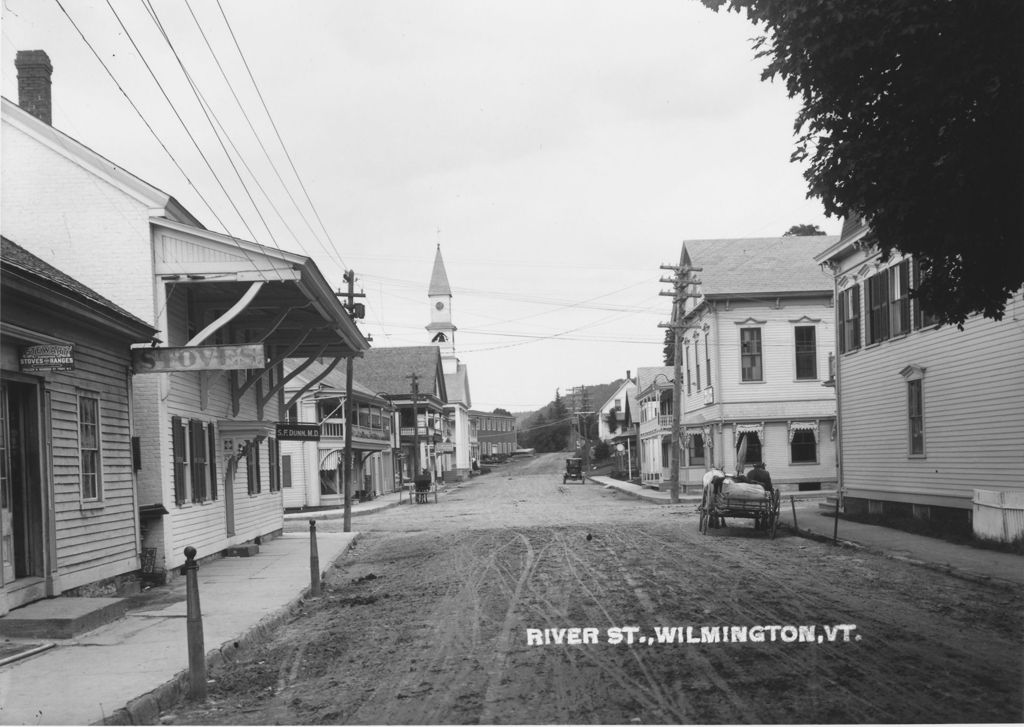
{"points": [[198, 358], [297, 432], [48, 357]]}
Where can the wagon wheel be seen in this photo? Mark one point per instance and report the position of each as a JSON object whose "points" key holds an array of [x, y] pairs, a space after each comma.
{"points": [[704, 515], [773, 522]]}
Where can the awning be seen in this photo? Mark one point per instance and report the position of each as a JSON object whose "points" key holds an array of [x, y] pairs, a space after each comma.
{"points": [[757, 429], [795, 427]]}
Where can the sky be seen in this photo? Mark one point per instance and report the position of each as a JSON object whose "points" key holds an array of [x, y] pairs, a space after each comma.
{"points": [[558, 152]]}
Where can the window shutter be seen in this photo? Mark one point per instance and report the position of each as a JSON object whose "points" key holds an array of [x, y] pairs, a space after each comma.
{"points": [[212, 454], [178, 447], [275, 474]]}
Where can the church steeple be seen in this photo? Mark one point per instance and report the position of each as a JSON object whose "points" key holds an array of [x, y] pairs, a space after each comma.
{"points": [[441, 328]]}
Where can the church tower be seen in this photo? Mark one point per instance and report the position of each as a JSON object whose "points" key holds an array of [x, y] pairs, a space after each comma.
{"points": [[441, 328]]}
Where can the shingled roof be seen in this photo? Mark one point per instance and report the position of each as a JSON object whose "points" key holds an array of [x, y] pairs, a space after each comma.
{"points": [[388, 370], [16, 258], [335, 380], [760, 265]]}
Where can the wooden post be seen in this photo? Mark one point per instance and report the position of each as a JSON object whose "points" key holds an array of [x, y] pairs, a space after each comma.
{"points": [[194, 624], [792, 504], [314, 561]]}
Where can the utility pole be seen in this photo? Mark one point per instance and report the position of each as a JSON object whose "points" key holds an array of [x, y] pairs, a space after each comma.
{"points": [[356, 311], [681, 281]]}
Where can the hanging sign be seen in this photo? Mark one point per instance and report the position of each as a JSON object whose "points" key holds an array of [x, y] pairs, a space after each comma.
{"points": [[198, 358], [287, 432], [47, 357]]}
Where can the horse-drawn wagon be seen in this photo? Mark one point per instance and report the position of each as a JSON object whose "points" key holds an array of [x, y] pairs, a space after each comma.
{"points": [[725, 496]]}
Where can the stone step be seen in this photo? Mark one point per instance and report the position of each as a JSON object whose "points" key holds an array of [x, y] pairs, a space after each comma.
{"points": [[61, 618]]}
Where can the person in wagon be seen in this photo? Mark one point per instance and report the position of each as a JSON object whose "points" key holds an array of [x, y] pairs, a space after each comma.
{"points": [[760, 475]]}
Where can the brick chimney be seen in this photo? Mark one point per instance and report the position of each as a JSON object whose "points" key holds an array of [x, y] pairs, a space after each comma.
{"points": [[34, 72]]}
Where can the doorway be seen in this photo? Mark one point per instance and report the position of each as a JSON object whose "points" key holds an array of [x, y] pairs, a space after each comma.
{"points": [[21, 483]]}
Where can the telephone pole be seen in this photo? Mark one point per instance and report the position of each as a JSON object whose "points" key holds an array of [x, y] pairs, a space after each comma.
{"points": [[683, 284], [355, 311]]}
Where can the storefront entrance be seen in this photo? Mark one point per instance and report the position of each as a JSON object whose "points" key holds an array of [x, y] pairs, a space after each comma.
{"points": [[21, 490]]}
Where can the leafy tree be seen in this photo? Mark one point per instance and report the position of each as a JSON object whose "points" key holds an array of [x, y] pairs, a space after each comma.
{"points": [[803, 231], [911, 119], [499, 410], [669, 350], [612, 419]]}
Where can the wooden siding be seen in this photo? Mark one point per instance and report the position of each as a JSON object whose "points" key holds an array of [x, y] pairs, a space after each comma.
{"points": [[94, 539], [973, 391], [204, 525]]}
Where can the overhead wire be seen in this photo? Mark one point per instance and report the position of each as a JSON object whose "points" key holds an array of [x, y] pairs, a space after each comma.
{"points": [[288, 155], [149, 126], [259, 140], [203, 107]]}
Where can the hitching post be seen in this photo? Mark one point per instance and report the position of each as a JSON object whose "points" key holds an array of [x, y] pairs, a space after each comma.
{"points": [[194, 624], [314, 561], [792, 504]]}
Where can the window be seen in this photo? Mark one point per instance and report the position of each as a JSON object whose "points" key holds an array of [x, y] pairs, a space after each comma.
{"points": [[689, 374], [803, 448], [878, 307], [89, 446], [805, 339], [750, 354], [697, 450], [915, 415], [198, 460], [696, 361], [707, 358], [252, 464], [849, 319], [179, 448], [922, 318], [753, 455], [899, 300], [286, 470]]}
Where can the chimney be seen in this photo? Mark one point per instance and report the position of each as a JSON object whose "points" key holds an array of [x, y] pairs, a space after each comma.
{"points": [[628, 372], [34, 71]]}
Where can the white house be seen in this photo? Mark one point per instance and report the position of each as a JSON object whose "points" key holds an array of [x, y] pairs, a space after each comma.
{"points": [[754, 360], [228, 313], [927, 414], [312, 470], [618, 405], [654, 424]]}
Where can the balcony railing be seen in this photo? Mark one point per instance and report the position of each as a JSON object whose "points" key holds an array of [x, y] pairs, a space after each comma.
{"points": [[335, 429]]}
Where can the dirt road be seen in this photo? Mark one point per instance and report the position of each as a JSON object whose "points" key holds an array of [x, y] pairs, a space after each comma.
{"points": [[462, 612]]}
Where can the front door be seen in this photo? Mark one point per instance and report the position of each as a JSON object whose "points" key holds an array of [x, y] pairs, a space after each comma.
{"points": [[21, 498]]}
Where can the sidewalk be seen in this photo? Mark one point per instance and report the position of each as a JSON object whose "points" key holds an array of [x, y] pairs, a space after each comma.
{"points": [[99, 676], [963, 561]]}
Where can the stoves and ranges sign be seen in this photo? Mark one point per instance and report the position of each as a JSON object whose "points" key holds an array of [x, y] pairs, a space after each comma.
{"points": [[47, 357]]}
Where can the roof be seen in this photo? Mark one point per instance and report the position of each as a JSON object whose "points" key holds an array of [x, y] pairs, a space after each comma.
{"points": [[13, 256], [388, 370], [760, 265], [439, 278], [457, 385], [645, 376], [334, 381]]}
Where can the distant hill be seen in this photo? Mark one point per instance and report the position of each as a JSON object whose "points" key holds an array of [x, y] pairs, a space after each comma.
{"points": [[592, 395]]}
